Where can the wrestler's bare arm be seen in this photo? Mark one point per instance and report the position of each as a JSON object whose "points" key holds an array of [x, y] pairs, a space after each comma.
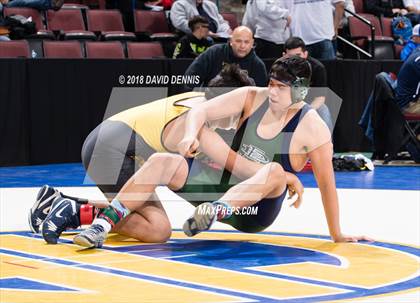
{"points": [[320, 153], [220, 152], [321, 160], [223, 106]]}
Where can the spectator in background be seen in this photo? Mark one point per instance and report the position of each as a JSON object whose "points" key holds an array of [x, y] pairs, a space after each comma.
{"points": [[316, 24], [192, 45], [183, 10], [385, 129], [412, 6], [387, 8], [37, 4], [407, 92], [237, 50], [412, 44], [269, 20], [295, 46]]}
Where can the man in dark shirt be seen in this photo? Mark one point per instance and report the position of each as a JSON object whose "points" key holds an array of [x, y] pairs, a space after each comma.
{"points": [[296, 46], [408, 86], [192, 45], [237, 50]]}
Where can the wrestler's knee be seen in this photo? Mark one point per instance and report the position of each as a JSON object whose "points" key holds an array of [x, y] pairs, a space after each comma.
{"points": [[174, 166], [160, 232], [276, 172]]}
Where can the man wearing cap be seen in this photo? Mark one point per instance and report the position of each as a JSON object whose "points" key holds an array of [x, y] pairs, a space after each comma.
{"points": [[412, 44]]}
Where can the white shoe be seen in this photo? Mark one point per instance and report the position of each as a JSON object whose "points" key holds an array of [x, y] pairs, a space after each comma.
{"points": [[203, 218], [92, 237]]}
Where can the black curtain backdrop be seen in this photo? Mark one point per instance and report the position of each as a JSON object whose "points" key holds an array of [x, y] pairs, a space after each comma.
{"points": [[68, 99], [49, 106], [353, 82], [14, 113]]}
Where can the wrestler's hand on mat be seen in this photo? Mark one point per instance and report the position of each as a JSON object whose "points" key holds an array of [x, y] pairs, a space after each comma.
{"points": [[294, 187], [188, 147], [346, 238]]}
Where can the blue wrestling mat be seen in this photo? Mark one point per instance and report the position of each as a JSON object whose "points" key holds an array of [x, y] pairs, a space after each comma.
{"points": [[391, 177]]}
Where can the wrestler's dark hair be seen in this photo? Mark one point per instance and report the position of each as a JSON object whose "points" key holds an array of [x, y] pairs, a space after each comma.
{"points": [[290, 69], [295, 72], [230, 76]]}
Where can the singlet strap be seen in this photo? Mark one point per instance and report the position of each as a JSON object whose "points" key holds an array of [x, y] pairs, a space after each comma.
{"points": [[293, 123]]}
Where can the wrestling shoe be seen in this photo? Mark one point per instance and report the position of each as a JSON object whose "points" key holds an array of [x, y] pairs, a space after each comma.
{"points": [[42, 206], [92, 237], [64, 214], [203, 218]]}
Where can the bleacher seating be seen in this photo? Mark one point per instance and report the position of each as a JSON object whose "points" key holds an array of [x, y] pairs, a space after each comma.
{"points": [[109, 24], [77, 20], [14, 49], [152, 25], [144, 50], [42, 32], [387, 31], [104, 50], [361, 35], [89, 3], [69, 23], [62, 49]]}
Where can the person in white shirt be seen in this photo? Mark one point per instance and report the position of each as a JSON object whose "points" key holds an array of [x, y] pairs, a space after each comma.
{"points": [[413, 8], [183, 10], [315, 23], [269, 20]]}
